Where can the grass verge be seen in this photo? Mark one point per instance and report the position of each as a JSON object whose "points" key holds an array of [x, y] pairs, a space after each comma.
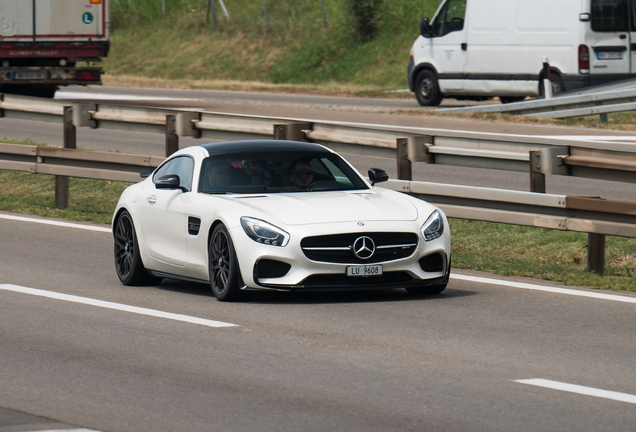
{"points": [[501, 249]]}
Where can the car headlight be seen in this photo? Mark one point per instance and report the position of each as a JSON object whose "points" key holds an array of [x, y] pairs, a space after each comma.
{"points": [[433, 227], [264, 232]]}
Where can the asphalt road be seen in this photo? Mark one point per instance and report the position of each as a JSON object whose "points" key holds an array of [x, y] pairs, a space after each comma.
{"points": [[375, 361]]}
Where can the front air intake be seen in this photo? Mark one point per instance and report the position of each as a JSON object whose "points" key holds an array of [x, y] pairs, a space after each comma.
{"points": [[432, 263]]}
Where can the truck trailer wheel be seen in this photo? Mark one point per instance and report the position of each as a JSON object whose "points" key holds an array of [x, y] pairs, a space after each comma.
{"points": [[427, 90]]}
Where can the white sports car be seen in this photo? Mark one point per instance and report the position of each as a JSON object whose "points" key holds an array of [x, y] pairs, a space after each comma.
{"points": [[276, 215]]}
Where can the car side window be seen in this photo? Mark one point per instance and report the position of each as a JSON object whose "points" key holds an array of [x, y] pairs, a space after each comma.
{"points": [[450, 18], [183, 166], [161, 171]]}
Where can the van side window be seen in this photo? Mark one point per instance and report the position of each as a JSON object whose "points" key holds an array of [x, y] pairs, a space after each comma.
{"points": [[609, 15], [450, 18]]}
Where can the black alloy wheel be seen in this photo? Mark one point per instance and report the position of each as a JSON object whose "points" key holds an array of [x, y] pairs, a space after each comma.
{"points": [[128, 264], [223, 266]]}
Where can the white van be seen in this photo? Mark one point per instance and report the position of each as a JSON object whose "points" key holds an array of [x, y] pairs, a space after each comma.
{"points": [[477, 49]]}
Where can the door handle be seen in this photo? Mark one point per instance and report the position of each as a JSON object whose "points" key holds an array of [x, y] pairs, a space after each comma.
{"points": [[152, 199], [464, 46]]}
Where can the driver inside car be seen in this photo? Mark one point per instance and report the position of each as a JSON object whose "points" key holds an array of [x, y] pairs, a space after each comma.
{"points": [[301, 175]]}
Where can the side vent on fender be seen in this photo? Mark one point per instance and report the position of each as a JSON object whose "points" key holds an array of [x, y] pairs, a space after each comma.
{"points": [[194, 224]]}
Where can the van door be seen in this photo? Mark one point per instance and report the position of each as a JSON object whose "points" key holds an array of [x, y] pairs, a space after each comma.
{"points": [[448, 45], [609, 41]]}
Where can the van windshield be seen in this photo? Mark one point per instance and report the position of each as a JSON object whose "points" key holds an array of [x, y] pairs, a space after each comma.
{"points": [[612, 15]]}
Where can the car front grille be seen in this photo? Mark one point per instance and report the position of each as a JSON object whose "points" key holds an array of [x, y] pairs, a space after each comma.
{"points": [[339, 248]]}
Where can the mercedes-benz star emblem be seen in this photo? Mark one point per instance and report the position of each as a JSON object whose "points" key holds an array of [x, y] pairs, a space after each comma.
{"points": [[363, 247]]}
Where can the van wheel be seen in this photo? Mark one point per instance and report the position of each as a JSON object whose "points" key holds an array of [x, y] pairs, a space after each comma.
{"points": [[427, 90], [557, 85]]}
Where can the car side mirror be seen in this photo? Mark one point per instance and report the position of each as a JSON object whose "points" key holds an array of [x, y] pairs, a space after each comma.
{"points": [[377, 175], [171, 181], [425, 28]]}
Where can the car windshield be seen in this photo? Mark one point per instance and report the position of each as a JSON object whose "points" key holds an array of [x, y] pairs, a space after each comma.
{"points": [[272, 172]]}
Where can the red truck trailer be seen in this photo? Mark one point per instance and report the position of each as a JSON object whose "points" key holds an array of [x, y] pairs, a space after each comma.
{"points": [[44, 42]]}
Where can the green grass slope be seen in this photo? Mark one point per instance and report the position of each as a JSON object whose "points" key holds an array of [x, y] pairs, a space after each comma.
{"points": [[295, 49]]}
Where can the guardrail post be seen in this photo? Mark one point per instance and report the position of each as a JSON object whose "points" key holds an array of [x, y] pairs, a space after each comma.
{"points": [[186, 124], [603, 117], [403, 162], [172, 139], [537, 178], [596, 253], [1, 100], [412, 149], [62, 183], [292, 131], [82, 115]]}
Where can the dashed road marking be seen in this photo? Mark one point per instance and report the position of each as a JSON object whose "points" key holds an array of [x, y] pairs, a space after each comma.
{"points": [[579, 389], [56, 223], [115, 306], [550, 289]]}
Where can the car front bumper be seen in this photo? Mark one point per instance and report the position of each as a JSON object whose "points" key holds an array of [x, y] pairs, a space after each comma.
{"points": [[307, 275]]}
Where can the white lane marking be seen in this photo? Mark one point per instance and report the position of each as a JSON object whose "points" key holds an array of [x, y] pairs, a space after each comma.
{"points": [[555, 290], [573, 388], [483, 280], [56, 223], [115, 306], [66, 430], [93, 96]]}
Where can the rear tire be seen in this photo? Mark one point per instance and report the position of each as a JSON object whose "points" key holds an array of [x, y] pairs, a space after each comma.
{"points": [[223, 266], [557, 85], [427, 90], [130, 269]]}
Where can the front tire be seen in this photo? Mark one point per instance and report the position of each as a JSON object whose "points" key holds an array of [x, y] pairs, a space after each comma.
{"points": [[427, 90], [130, 269], [223, 266]]}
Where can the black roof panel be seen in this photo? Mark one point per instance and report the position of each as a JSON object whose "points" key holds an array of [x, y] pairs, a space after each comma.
{"points": [[261, 145]]}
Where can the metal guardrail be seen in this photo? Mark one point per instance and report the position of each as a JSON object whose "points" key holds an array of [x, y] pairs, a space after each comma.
{"points": [[539, 156], [76, 163], [612, 98], [559, 212], [477, 150]]}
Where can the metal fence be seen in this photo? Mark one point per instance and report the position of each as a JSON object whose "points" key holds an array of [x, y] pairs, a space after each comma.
{"points": [[537, 156], [610, 98]]}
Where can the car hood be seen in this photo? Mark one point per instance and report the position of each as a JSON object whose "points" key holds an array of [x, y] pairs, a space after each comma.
{"points": [[337, 206]]}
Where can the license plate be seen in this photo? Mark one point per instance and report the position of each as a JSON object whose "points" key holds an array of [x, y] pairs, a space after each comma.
{"points": [[610, 55], [367, 270], [29, 75]]}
